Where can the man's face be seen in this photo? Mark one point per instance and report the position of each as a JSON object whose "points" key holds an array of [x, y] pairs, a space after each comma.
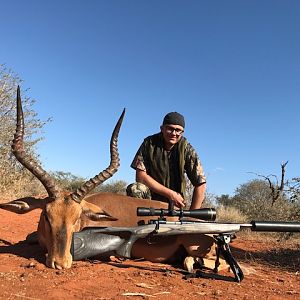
{"points": [[171, 133]]}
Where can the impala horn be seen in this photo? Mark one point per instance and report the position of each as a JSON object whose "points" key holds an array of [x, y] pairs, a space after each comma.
{"points": [[27, 161], [89, 185]]}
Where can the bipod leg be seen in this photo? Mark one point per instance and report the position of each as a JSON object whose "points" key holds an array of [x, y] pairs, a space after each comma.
{"points": [[223, 249]]}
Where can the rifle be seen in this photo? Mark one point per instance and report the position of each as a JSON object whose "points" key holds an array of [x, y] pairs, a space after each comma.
{"points": [[118, 241]]}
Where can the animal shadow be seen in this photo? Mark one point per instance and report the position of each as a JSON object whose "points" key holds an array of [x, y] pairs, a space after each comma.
{"points": [[285, 259], [25, 249]]}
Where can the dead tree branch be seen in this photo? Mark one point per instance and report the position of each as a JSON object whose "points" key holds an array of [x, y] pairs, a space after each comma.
{"points": [[276, 189]]}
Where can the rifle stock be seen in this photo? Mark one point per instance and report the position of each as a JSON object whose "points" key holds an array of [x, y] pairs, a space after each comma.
{"points": [[131, 234]]}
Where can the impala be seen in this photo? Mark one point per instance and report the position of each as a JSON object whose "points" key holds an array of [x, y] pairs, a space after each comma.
{"points": [[63, 214]]}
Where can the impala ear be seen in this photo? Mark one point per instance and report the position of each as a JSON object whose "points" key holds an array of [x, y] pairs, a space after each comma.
{"points": [[24, 205], [95, 213]]}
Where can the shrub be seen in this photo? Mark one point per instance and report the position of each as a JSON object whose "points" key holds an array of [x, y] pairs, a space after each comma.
{"points": [[117, 186], [14, 179]]}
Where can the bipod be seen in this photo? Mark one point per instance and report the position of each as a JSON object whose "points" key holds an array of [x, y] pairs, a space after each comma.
{"points": [[223, 249]]}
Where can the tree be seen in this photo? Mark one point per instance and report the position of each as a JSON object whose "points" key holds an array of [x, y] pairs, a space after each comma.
{"points": [[287, 192], [293, 189], [255, 201], [276, 188], [114, 186], [67, 181], [14, 179], [224, 200]]}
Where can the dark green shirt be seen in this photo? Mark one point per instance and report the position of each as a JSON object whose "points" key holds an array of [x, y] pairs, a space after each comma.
{"points": [[169, 167]]}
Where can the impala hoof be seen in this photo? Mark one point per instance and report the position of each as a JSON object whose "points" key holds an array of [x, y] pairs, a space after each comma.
{"points": [[190, 262]]}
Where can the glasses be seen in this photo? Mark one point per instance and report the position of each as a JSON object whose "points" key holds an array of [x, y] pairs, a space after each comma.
{"points": [[170, 130]]}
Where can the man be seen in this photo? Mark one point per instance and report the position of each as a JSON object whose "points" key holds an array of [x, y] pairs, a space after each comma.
{"points": [[161, 163]]}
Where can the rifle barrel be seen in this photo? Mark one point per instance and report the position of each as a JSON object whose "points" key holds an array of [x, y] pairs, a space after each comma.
{"points": [[278, 226]]}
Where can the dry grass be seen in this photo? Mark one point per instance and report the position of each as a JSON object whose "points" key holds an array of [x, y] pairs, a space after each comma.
{"points": [[14, 185], [230, 214], [233, 215]]}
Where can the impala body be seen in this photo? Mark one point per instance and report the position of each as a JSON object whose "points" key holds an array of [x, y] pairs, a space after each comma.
{"points": [[62, 214]]}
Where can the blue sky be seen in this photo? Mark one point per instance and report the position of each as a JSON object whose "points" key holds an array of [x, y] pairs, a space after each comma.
{"points": [[232, 68]]}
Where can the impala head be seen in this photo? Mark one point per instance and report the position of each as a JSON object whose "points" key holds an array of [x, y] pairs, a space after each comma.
{"points": [[61, 214]]}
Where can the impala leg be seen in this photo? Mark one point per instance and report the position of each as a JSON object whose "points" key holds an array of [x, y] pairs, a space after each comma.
{"points": [[201, 249]]}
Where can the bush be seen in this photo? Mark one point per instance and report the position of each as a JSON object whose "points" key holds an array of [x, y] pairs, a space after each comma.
{"points": [[67, 181], [15, 180], [19, 184], [118, 187], [253, 200]]}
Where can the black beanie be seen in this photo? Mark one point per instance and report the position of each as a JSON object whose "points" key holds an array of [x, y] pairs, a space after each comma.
{"points": [[174, 118]]}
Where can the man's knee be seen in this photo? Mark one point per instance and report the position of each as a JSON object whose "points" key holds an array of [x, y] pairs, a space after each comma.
{"points": [[138, 190]]}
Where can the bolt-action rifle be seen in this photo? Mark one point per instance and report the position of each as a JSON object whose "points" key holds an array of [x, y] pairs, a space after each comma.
{"points": [[119, 240]]}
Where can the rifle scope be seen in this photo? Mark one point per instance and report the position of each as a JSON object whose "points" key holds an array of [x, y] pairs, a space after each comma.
{"points": [[207, 214]]}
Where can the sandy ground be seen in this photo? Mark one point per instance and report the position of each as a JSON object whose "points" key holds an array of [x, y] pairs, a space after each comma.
{"points": [[272, 271]]}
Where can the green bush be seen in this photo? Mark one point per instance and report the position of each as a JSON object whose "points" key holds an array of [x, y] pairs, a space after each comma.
{"points": [[67, 181], [253, 199], [115, 186]]}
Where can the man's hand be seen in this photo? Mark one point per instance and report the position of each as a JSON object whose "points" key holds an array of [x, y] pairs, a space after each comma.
{"points": [[153, 185], [177, 199]]}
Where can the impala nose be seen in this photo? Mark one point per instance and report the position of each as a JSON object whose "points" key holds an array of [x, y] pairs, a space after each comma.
{"points": [[62, 263]]}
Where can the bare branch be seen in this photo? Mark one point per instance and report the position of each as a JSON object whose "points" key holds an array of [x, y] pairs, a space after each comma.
{"points": [[283, 165], [276, 189]]}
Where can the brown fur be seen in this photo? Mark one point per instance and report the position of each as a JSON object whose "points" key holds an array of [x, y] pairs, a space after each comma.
{"points": [[62, 217]]}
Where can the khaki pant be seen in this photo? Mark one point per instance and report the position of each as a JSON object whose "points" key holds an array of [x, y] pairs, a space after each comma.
{"points": [[138, 190]]}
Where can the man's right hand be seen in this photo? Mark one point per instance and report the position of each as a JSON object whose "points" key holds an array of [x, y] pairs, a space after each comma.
{"points": [[153, 185], [177, 199]]}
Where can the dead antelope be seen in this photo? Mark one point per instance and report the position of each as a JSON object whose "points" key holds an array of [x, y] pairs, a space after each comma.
{"points": [[63, 215]]}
